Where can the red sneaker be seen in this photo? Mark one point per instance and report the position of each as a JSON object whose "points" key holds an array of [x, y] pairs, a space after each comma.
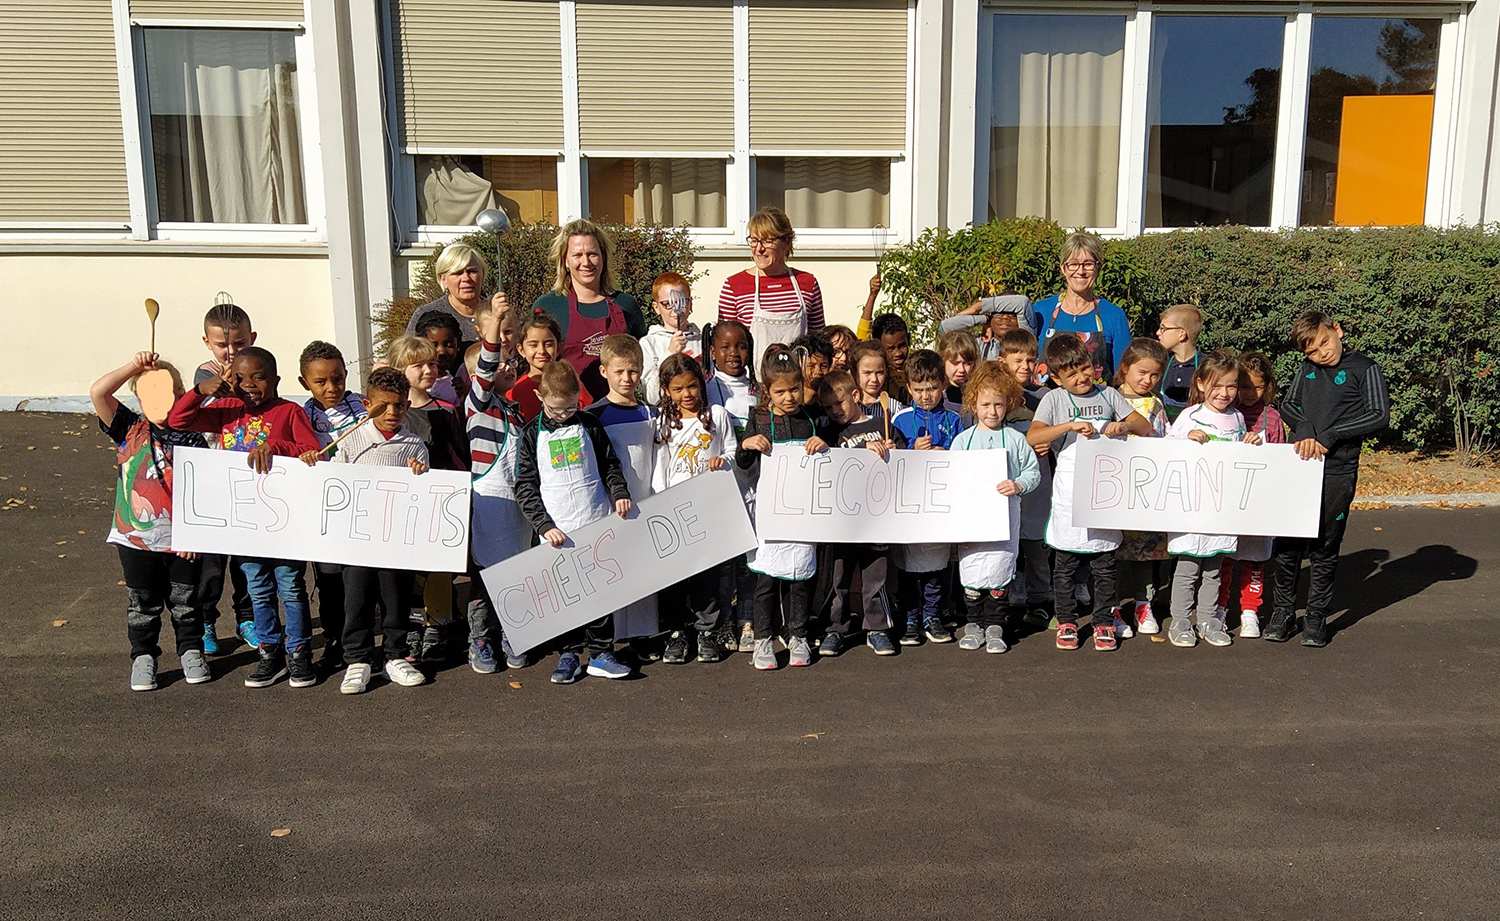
{"points": [[1104, 639], [1067, 636]]}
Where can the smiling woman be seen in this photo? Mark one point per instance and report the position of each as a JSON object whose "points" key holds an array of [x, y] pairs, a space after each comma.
{"points": [[461, 273]]}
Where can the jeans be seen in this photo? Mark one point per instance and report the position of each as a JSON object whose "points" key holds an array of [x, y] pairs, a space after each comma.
{"points": [[1322, 552], [769, 594], [1195, 586], [155, 582], [364, 588], [266, 579], [872, 564], [1064, 566], [985, 607]]}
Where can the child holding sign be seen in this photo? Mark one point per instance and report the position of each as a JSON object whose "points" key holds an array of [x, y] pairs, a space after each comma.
{"points": [[1079, 408], [733, 387], [784, 569], [569, 477], [1142, 554], [1209, 416], [986, 570], [1246, 566], [692, 438]]}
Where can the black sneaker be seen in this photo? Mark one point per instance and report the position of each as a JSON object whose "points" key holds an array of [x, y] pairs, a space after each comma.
{"points": [[913, 633], [271, 667], [1281, 627], [935, 631], [332, 659], [676, 652], [300, 668], [1315, 630], [709, 649]]}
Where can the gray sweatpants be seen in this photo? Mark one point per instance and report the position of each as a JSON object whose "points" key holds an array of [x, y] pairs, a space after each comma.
{"points": [[1195, 585]]}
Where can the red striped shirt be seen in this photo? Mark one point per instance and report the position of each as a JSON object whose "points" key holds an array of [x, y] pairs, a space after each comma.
{"points": [[777, 295]]}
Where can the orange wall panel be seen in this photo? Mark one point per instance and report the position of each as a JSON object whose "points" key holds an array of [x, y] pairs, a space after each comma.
{"points": [[1384, 146]]}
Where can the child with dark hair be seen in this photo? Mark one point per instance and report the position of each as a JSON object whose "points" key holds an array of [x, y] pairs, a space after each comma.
{"points": [[442, 330], [816, 354], [890, 330], [539, 339], [960, 354], [1336, 399], [996, 315], [842, 339], [249, 416], [732, 385], [1142, 557]]}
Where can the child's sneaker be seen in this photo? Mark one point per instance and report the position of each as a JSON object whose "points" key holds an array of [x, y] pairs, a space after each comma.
{"points": [[1037, 617], [1104, 639], [333, 658], [568, 670], [765, 653], [747, 638], [880, 641], [482, 657], [973, 637], [195, 667], [605, 665], [300, 669], [1145, 620], [831, 646], [271, 667], [247, 632], [1122, 627], [1249, 625], [404, 673], [676, 650], [512, 659], [1213, 632], [994, 639], [1067, 636], [356, 679], [801, 653], [729, 641], [1180, 632], [210, 641], [709, 648], [912, 636], [935, 631], [143, 673], [1280, 627], [433, 648]]}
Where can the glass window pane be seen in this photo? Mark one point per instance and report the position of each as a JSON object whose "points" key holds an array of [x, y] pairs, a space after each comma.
{"points": [[452, 190], [1215, 90], [1369, 120], [1055, 118], [671, 191], [224, 131], [837, 192]]}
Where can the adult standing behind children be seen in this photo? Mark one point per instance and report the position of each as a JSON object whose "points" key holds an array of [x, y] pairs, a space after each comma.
{"points": [[1100, 323], [586, 300], [776, 302], [460, 271]]}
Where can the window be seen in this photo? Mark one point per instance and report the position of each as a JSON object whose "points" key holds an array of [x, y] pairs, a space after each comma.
{"points": [[453, 189], [226, 144], [1215, 86], [826, 192], [1054, 145], [659, 190], [1371, 90]]}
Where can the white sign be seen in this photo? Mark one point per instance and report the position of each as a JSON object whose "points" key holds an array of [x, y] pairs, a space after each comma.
{"points": [[1172, 484], [850, 495], [603, 567], [386, 517]]}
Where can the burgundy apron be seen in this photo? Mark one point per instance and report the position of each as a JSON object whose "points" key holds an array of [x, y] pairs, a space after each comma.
{"points": [[585, 336]]}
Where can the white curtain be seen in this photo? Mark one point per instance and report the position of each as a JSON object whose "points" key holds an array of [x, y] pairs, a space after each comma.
{"points": [[1055, 122], [451, 195], [224, 130], [837, 192], [679, 190]]}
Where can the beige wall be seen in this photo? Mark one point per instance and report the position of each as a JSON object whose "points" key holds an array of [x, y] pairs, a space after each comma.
{"points": [[100, 300]]}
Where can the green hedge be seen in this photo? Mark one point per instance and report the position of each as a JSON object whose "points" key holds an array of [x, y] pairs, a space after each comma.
{"points": [[1424, 303], [642, 253]]}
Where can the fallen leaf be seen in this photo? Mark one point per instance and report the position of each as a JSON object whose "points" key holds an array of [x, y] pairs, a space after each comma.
{"points": [[59, 543], [62, 556], [59, 623], [23, 489], [813, 735], [82, 532], [121, 582], [516, 685], [280, 832], [1380, 529], [57, 447], [1157, 639], [31, 447]]}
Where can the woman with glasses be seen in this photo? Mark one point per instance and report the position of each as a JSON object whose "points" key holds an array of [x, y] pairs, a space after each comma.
{"points": [[778, 303], [1101, 324]]}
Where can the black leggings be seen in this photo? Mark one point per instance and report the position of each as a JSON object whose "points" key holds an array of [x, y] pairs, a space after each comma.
{"points": [[155, 582], [769, 594]]}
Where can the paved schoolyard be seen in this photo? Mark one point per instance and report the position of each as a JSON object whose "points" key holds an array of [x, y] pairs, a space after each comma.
{"points": [[1258, 781]]}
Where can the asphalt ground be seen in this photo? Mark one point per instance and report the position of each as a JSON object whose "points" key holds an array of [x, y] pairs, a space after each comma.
{"points": [[1257, 781]]}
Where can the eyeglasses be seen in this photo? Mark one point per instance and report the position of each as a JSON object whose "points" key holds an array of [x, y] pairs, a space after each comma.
{"points": [[764, 241], [1075, 268], [1169, 329]]}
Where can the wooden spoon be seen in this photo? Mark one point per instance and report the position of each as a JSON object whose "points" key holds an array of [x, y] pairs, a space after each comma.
{"points": [[152, 310], [885, 409]]}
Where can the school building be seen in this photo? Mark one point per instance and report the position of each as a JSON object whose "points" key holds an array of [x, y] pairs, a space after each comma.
{"points": [[302, 155]]}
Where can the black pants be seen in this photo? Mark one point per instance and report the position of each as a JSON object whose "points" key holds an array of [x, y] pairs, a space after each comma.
{"points": [[328, 581], [211, 588], [1064, 565], [364, 589], [737, 592], [693, 603], [985, 609], [872, 565], [790, 599], [597, 637], [1322, 551], [155, 582]]}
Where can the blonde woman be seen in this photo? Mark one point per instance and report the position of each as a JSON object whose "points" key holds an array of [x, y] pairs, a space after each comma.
{"points": [[776, 302], [1100, 323], [460, 271], [586, 300]]}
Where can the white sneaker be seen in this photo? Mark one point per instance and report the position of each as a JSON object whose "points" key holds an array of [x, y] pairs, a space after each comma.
{"points": [[973, 637], [764, 654], [994, 640], [403, 673], [1249, 625], [1145, 621], [801, 653], [356, 679], [1122, 628], [1180, 632]]}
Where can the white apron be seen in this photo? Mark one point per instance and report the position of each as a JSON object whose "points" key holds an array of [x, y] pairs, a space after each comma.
{"points": [[993, 564], [499, 530], [633, 443], [784, 559], [1061, 534], [1200, 545], [572, 489], [922, 557], [1037, 504], [767, 328]]}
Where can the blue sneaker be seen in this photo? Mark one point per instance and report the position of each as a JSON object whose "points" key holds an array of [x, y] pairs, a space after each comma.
{"points": [[569, 669], [513, 659], [210, 641], [246, 630], [880, 641], [605, 665], [482, 657]]}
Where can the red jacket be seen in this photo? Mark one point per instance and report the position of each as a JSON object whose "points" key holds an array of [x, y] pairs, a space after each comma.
{"points": [[280, 423]]}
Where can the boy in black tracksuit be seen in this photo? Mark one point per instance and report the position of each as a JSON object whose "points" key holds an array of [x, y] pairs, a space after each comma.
{"points": [[1337, 399]]}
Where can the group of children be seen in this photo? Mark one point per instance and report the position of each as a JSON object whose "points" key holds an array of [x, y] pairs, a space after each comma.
{"points": [[545, 461]]}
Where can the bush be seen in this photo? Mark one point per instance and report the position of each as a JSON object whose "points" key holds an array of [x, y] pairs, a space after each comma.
{"points": [[641, 254], [1425, 303]]}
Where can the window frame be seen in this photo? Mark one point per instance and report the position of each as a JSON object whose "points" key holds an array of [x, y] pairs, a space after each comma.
{"points": [[724, 156], [1291, 135], [141, 173]]}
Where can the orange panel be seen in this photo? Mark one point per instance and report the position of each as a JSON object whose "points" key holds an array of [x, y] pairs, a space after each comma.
{"points": [[1384, 146]]}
